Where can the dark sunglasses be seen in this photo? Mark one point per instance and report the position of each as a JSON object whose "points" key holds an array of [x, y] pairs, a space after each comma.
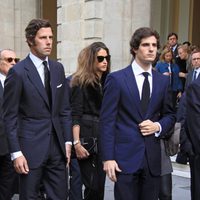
{"points": [[9, 60], [101, 58]]}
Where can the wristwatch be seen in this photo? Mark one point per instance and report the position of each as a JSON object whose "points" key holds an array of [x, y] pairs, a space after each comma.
{"points": [[76, 142]]}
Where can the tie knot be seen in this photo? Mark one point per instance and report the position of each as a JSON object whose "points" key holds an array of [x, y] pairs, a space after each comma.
{"points": [[44, 63], [145, 74]]}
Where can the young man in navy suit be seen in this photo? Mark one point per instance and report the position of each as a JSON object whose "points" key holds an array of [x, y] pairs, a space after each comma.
{"points": [[37, 117], [132, 122]]}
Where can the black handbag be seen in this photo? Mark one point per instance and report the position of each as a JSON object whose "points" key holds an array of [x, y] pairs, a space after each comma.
{"points": [[90, 144]]}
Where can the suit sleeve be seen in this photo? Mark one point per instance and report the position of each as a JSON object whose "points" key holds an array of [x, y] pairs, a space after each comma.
{"points": [[108, 118], [193, 115], [168, 117], [65, 113], [11, 99]]}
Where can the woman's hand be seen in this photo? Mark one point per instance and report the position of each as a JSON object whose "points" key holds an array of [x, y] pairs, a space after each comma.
{"points": [[182, 75], [81, 152]]}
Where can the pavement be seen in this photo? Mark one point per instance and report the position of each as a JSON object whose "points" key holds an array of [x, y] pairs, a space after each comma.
{"points": [[181, 189], [180, 181]]}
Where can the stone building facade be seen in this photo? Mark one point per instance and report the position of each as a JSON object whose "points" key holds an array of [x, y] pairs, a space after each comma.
{"points": [[78, 23]]}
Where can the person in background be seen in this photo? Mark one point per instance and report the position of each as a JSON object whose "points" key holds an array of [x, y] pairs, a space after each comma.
{"points": [[167, 67], [8, 175], [136, 112], [193, 125], [184, 53], [87, 83], [172, 40], [37, 117], [186, 152]]}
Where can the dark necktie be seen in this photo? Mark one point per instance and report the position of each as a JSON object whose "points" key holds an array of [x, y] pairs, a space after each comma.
{"points": [[47, 81], [194, 75], [145, 93]]}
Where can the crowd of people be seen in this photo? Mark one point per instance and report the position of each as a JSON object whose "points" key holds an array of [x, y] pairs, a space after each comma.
{"points": [[58, 133]]}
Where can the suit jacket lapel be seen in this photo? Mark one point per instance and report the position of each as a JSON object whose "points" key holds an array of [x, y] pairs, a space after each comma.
{"points": [[35, 79], [1, 90], [133, 89]]}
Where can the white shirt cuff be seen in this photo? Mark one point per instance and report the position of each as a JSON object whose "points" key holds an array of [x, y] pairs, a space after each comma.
{"points": [[68, 142], [16, 155], [157, 134]]}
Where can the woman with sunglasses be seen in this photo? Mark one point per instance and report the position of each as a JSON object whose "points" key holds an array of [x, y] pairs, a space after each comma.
{"points": [[86, 99]]}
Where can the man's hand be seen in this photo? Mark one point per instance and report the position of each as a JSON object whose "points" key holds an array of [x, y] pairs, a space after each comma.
{"points": [[68, 148], [21, 165], [110, 166], [148, 127]]}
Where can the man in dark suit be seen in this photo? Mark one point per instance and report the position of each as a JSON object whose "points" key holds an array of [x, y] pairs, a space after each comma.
{"points": [[37, 117], [132, 122], [7, 173], [185, 145], [192, 127], [195, 61]]}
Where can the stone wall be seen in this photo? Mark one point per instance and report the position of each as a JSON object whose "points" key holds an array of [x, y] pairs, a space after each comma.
{"points": [[82, 22], [15, 15]]}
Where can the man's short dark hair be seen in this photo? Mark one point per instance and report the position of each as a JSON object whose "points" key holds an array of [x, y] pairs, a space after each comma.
{"points": [[33, 27], [141, 33], [171, 34]]}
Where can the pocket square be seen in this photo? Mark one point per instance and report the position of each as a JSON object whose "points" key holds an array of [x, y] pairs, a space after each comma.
{"points": [[58, 86]]}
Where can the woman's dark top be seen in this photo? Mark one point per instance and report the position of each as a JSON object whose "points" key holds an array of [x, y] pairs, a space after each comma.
{"points": [[86, 101]]}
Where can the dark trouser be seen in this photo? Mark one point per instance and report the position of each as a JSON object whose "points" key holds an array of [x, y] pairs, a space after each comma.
{"points": [[52, 173], [165, 187], [7, 177], [174, 99], [195, 176], [140, 185], [93, 178], [75, 192]]}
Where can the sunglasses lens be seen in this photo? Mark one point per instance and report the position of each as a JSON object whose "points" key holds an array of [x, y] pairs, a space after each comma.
{"points": [[101, 58], [11, 59], [17, 60], [108, 58]]}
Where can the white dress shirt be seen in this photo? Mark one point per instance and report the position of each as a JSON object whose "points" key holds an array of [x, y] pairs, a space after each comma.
{"points": [[139, 77], [2, 79]]}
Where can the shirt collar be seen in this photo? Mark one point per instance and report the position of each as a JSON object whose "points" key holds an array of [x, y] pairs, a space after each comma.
{"points": [[2, 78], [174, 47], [37, 61], [137, 70], [197, 69]]}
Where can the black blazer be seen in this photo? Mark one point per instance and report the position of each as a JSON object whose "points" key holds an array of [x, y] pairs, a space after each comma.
{"points": [[86, 105], [193, 114]]}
